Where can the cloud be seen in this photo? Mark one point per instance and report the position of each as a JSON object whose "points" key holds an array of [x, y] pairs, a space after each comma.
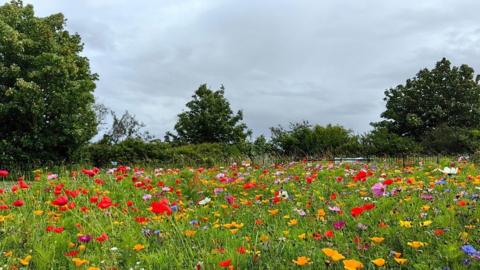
{"points": [[280, 61]]}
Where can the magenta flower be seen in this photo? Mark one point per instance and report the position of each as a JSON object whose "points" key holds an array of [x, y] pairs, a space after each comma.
{"points": [[378, 189]]}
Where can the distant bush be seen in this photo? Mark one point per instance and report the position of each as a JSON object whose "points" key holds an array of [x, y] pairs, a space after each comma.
{"points": [[134, 151]]}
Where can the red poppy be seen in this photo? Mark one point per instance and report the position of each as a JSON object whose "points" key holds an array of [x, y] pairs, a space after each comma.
{"points": [[94, 199], [72, 253], [356, 211], [4, 207], [3, 173], [461, 203], [161, 207], [141, 220], [317, 236], [241, 250], [129, 203], [105, 202], [388, 182], [329, 234], [439, 232], [249, 185], [22, 184], [102, 238], [58, 230], [360, 176], [225, 263], [18, 203], [368, 206], [60, 201]]}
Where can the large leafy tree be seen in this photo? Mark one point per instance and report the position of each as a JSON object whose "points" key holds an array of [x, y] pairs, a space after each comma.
{"points": [[46, 87], [444, 96], [209, 119]]}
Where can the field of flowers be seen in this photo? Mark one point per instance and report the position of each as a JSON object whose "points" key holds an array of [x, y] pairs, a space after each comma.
{"points": [[315, 215]]}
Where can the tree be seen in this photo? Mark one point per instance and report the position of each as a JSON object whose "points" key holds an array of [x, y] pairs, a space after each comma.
{"points": [[46, 87], [126, 127], [209, 119], [302, 140], [444, 96]]}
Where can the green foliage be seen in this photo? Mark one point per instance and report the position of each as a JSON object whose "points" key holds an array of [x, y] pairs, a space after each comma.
{"points": [[382, 142], [46, 87], [302, 139], [443, 100], [209, 119], [136, 151]]}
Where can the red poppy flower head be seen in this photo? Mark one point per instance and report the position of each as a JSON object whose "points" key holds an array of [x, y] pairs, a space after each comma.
{"points": [[60, 201], [161, 207]]}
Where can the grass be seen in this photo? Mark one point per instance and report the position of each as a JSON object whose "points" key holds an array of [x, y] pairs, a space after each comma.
{"points": [[244, 217]]}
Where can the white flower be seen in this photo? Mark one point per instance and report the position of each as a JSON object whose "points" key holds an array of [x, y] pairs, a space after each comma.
{"points": [[205, 201], [448, 170]]}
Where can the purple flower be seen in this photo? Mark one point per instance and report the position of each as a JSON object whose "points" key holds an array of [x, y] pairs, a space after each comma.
{"points": [[378, 189], [339, 224], [84, 238]]}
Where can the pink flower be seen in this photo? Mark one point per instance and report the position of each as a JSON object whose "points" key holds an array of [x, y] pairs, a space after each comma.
{"points": [[378, 189]]}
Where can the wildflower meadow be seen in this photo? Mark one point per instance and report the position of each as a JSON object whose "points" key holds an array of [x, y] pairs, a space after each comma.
{"points": [[312, 215]]}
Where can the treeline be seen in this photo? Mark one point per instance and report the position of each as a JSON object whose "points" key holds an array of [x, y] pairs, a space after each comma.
{"points": [[48, 112]]}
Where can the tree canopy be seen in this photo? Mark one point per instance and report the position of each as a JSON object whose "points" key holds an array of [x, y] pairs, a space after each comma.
{"points": [[209, 119], [444, 96], [46, 87]]}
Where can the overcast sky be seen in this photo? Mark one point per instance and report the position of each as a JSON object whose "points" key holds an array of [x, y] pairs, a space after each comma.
{"points": [[280, 61]]}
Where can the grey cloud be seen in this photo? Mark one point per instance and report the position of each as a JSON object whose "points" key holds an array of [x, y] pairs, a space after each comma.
{"points": [[280, 61]]}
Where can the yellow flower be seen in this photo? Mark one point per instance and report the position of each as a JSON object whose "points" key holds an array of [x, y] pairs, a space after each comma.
{"points": [[292, 222], [25, 261], [396, 254], [400, 261], [273, 212], [302, 236], [264, 238], [93, 268], [377, 240], [426, 207], [138, 247], [71, 245], [416, 244], [79, 262], [190, 233], [302, 260], [320, 213], [234, 231], [333, 254], [406, 224], [425, 223], [379, 262], [38, 212], [82, 247], [352, 264], [8, 253]]}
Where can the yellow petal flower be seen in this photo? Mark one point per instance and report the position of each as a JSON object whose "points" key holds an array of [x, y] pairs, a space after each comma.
{"points": [[352, 264], [138, 247], [190, 233], [426, 223], [79, 262], [416, 244], [379, 262], [333, 254], [302, 260], [377, 240], [25, 261], [273, 212], [400, 261]]}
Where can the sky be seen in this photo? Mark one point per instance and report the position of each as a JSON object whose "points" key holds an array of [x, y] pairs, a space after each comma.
{"points": [[326, 61]]}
